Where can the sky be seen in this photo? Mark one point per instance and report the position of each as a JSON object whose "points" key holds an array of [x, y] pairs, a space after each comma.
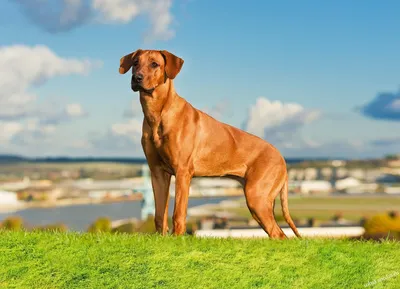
{"points": [[314, 78]]}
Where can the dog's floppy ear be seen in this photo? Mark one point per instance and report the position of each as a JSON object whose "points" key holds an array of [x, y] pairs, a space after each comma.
{"points": [[126, 62], [173, 64]]}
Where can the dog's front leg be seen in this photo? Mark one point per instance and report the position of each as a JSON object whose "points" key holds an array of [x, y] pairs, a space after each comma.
{"points": [[182, 184], [160, 180]]}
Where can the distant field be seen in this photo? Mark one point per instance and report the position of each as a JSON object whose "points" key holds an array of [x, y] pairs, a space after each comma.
{"points": [[323, 208], [97, 170], [58, 166], [56, 260]]}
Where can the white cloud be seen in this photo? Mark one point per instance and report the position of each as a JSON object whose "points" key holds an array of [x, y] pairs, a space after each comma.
{"points": [[135, 109], [331, 149], [74, 110], [131, 129], [278, 122], [28, 131], [118, 10], [161, 19], [124, 11], [23, 67], [395, 105], [123, 138], [281, 124], [56, 15], [63, 15], [385, 106], [219, 109], [23, 120], [80, 144], [8, 130], [71, 11]]}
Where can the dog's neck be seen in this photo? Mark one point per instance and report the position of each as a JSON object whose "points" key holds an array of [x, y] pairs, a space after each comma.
{"points": [[158, 103]]}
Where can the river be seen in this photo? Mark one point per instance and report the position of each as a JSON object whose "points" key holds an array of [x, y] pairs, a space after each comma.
{"points": [[79, 217]]}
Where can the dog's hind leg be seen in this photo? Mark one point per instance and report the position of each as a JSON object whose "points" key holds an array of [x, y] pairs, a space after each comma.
{"points": [[261, 189]]}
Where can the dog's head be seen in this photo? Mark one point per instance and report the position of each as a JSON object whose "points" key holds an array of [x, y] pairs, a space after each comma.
{"points": [[150, 68]]}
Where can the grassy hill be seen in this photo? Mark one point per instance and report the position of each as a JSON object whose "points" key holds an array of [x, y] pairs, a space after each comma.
{"points": [[59, 260]]}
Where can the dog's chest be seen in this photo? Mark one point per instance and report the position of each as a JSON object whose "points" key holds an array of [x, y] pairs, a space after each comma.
{"points": [[165, 153], [159, 136], [162, 138], [162, 143]]}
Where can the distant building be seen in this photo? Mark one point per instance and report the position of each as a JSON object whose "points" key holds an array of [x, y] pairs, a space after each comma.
{"points": [[371, 175], [310, 173], [292, 174], [8, 198], [99, 189], [103, 194], [38, 190], [326, 172], [215, 183], [207, 186], [347, 183], [215, 187], [357, 173], [394, 163], [15, 186], [363, 188], [392, 190], [338, 163], [300, 174], [90, 184], [311, 187], [341, 172]]}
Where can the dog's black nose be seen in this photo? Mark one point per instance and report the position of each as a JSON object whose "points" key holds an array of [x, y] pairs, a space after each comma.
{"points": [[138, 77]]}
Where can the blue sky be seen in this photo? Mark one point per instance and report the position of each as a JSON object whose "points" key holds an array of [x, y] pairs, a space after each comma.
{"points": [[314, 78]]}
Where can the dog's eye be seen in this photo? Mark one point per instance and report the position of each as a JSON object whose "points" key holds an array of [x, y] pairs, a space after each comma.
{"points": [[135, 63], [154, 64]]}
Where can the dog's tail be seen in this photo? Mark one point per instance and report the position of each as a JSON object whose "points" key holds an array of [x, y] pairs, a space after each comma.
{"points": [[285, 208]]}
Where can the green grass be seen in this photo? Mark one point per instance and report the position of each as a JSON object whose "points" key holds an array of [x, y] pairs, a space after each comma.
{"points": [[58, 260]]}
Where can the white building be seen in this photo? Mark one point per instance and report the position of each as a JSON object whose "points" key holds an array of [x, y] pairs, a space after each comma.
{"points": [[308, 187], [215, 183], [310, 173], [392, 190], [16, 186], [326, 172], [292, 174], [210, 186], [363, 188], [98, 189], [372, 175], [357, 173], [8, 198], [341, 172], [347, 183]]}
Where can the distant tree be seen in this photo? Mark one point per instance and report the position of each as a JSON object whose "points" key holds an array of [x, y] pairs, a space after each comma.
{"points": [[391, 157], [13, 223], [388, 223], [147, 226], [102, 224], [127, 228]]}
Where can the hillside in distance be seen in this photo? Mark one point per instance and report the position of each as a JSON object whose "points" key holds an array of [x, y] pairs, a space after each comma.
{"points": [[10, 159]]}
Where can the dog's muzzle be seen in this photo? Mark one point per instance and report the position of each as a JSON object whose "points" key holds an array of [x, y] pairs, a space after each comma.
{"points": [[137, 87]]}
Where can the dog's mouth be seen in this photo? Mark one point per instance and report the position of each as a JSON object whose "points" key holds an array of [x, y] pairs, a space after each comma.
{"points": [[137, 87]]}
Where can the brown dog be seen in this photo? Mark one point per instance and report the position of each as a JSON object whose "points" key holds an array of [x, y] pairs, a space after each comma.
{"points": [[183, 141]]}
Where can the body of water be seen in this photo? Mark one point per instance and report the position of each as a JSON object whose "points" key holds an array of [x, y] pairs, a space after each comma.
{"points": [[79, 217]]}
